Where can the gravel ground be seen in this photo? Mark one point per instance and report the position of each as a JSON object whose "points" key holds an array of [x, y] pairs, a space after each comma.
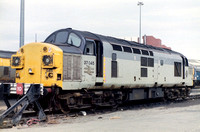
{"points": [[174, 117]]}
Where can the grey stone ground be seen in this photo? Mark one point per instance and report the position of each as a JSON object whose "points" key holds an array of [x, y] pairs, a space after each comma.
{"points": [[174, 117]]}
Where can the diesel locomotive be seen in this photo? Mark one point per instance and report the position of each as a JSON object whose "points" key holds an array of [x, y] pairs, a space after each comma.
{"points": [[6, 73], [79, 69]]}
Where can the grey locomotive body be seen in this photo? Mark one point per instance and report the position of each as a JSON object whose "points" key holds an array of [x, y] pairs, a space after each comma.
{"points": [[137, 71]]}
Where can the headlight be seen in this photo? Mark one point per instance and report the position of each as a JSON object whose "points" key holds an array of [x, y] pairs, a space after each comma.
{"points": [[47, 60], [30, 70], [16, 61]]}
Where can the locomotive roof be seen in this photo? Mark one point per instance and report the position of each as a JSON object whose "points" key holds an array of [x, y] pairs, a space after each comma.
{"points": [[122, 42], [113, 40], [6, 54]]}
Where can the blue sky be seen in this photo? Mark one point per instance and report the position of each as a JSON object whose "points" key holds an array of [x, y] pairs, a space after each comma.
{"points": [[176, 23]]}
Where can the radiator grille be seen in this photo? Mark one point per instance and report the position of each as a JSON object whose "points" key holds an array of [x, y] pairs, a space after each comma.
{"points": [[72, 67], [76, 67]]}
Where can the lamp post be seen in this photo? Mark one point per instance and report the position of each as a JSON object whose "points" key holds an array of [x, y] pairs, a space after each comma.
{"points": [[140, 4], [21, 40]]}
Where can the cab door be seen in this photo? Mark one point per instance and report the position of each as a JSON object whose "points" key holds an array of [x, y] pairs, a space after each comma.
{"points": [[183, 61], [94, 47], [99, 63]]}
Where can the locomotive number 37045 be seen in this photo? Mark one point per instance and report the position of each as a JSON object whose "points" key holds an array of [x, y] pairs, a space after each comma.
{"points": [[88, 62]]}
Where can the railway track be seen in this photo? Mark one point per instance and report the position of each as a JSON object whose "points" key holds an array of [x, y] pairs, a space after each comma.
{"points": [[30, 118]]}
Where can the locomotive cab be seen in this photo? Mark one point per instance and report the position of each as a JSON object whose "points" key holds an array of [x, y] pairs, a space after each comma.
{"points": [[66, 59], [82, 47]]}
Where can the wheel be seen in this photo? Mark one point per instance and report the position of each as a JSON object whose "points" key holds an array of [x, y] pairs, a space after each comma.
{"points": [[63, 106]]}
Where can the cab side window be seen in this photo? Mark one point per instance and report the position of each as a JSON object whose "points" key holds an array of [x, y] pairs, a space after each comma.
{"points": [[89, 48], [74, 40]]}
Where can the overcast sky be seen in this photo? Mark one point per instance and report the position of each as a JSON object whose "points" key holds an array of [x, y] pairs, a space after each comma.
{"points": [[175, 22]]}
